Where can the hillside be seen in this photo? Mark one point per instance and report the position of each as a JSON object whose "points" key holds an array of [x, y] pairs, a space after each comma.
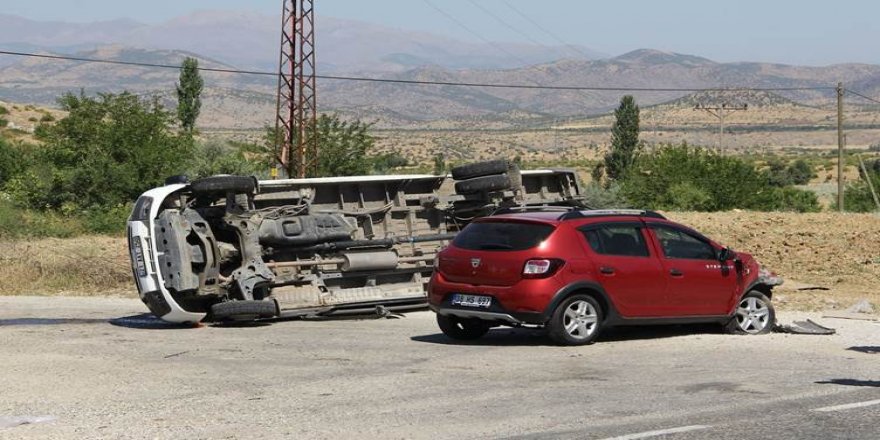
{"points": [[246, 101], [250, 40]]}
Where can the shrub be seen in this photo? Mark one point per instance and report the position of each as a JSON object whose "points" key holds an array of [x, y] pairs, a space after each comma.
{"points": [[858, 197], [676, 177], [106, 220], [105, 152], [4, 110], [16, 222], [599, 197]]}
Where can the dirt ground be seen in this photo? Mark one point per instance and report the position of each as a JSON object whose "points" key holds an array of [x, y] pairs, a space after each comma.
{"points": [[837, 252]]}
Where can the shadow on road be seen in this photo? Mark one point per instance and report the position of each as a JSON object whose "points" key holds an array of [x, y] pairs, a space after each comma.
{"points": [[148, 321], [658, 332], [49, 321], [851, 382], [537, 337], [865, 349]]}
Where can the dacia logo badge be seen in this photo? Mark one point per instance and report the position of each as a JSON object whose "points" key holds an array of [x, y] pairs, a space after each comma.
{"points": [[475, 262]]}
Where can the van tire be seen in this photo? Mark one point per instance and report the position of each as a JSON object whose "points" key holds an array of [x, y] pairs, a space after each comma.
{"points": [[479, 169], [496, 182], [224, 184]]}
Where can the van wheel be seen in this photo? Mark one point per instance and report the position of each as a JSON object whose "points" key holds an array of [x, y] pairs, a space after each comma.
{"points": [[222, 184], [754, 315], [462, 329], [576, 321], [480, 169], [495, 182]]}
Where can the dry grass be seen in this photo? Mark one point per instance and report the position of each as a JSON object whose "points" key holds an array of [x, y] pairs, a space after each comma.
{"points": [[82, 266]]}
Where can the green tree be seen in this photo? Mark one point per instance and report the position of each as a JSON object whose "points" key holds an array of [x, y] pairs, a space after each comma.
{"points": [[189, 91], [10, 161], [105, 152], [624, 139], [781, 174], [677, 177], [343, 148], [439, 164], [217, 157], [386, 162]]}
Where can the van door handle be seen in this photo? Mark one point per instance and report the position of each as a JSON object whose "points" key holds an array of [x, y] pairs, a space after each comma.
{"points": [[606, 270], [675, 273]]}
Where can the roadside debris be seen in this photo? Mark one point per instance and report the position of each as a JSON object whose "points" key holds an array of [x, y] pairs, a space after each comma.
{"points": [[862, 306], [807, 327], [13, 421]]}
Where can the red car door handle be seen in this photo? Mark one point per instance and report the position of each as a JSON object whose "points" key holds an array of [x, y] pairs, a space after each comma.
{"points": [[606, 270], [675, 273]]}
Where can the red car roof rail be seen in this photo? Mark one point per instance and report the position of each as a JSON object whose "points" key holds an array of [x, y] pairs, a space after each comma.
{"points": [[515, 209], [575, 213]]}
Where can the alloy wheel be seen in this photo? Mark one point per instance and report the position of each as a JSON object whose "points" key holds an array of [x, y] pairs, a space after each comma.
{"points": [[580, 319], [752, 315]]}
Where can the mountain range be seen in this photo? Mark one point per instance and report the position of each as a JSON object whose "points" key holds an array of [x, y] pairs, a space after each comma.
{"points": [[241, 40], [250, 40]]}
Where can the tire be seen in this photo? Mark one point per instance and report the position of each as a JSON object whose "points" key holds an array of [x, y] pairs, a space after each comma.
{"points": [[480, 169], [224, 184], [754, 315], [576, 321], [462, 329], [496, 182], [179, 178], [243, 310]]}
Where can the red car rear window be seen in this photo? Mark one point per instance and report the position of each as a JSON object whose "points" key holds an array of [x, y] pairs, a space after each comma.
{"points": [[502, 236]]}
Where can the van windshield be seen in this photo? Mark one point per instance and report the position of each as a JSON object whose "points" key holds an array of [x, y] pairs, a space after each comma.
{"points": [[502, 236]]}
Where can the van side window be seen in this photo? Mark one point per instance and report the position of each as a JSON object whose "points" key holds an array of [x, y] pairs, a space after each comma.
{"points": [[617, 240], [680, 245]]}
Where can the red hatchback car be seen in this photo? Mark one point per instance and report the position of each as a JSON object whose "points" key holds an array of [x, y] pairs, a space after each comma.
{"points": [[576, 272]]}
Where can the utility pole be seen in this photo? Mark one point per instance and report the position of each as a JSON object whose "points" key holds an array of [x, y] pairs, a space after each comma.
{"points": [[720, 112], [840, 143], [296, 145], [870, 182]]}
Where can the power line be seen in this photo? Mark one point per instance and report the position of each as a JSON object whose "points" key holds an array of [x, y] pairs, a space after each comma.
{"points": [[546, 31], [862, 96], [422, 82], [508, 25], [132, 63], [472, 32]]}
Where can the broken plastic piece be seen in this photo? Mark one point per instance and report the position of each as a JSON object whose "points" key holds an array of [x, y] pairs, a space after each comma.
{"points": [[807, 327]]}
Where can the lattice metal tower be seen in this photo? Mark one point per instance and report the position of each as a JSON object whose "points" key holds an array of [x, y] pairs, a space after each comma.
{"points": [[296, 146]]}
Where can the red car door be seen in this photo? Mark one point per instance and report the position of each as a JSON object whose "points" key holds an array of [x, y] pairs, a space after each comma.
{"points": [[626, 267], [697, 283]]}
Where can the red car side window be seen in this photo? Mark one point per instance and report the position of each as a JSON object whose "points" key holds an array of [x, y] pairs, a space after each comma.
{"points": [[617, 240], [680, 245]]}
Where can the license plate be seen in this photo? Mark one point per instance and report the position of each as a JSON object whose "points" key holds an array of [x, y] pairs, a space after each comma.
{"points": [[139, 263], [471, 300]]}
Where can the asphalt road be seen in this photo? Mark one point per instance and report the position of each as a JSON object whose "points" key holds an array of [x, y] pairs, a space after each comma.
{"points": [[73, 374]]}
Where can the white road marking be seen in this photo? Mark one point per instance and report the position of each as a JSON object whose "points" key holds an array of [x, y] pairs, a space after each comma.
{"points": [[659, 432], [848, 406]]}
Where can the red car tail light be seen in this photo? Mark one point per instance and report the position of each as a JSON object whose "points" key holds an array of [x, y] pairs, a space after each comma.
{"points": [[541, 268]]}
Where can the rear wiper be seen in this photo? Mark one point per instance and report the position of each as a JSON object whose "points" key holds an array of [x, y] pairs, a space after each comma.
{"points": [[490, 246]]}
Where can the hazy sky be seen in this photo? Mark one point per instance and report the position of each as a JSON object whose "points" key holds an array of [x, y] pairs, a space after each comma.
{"points": [[797, 32]]}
